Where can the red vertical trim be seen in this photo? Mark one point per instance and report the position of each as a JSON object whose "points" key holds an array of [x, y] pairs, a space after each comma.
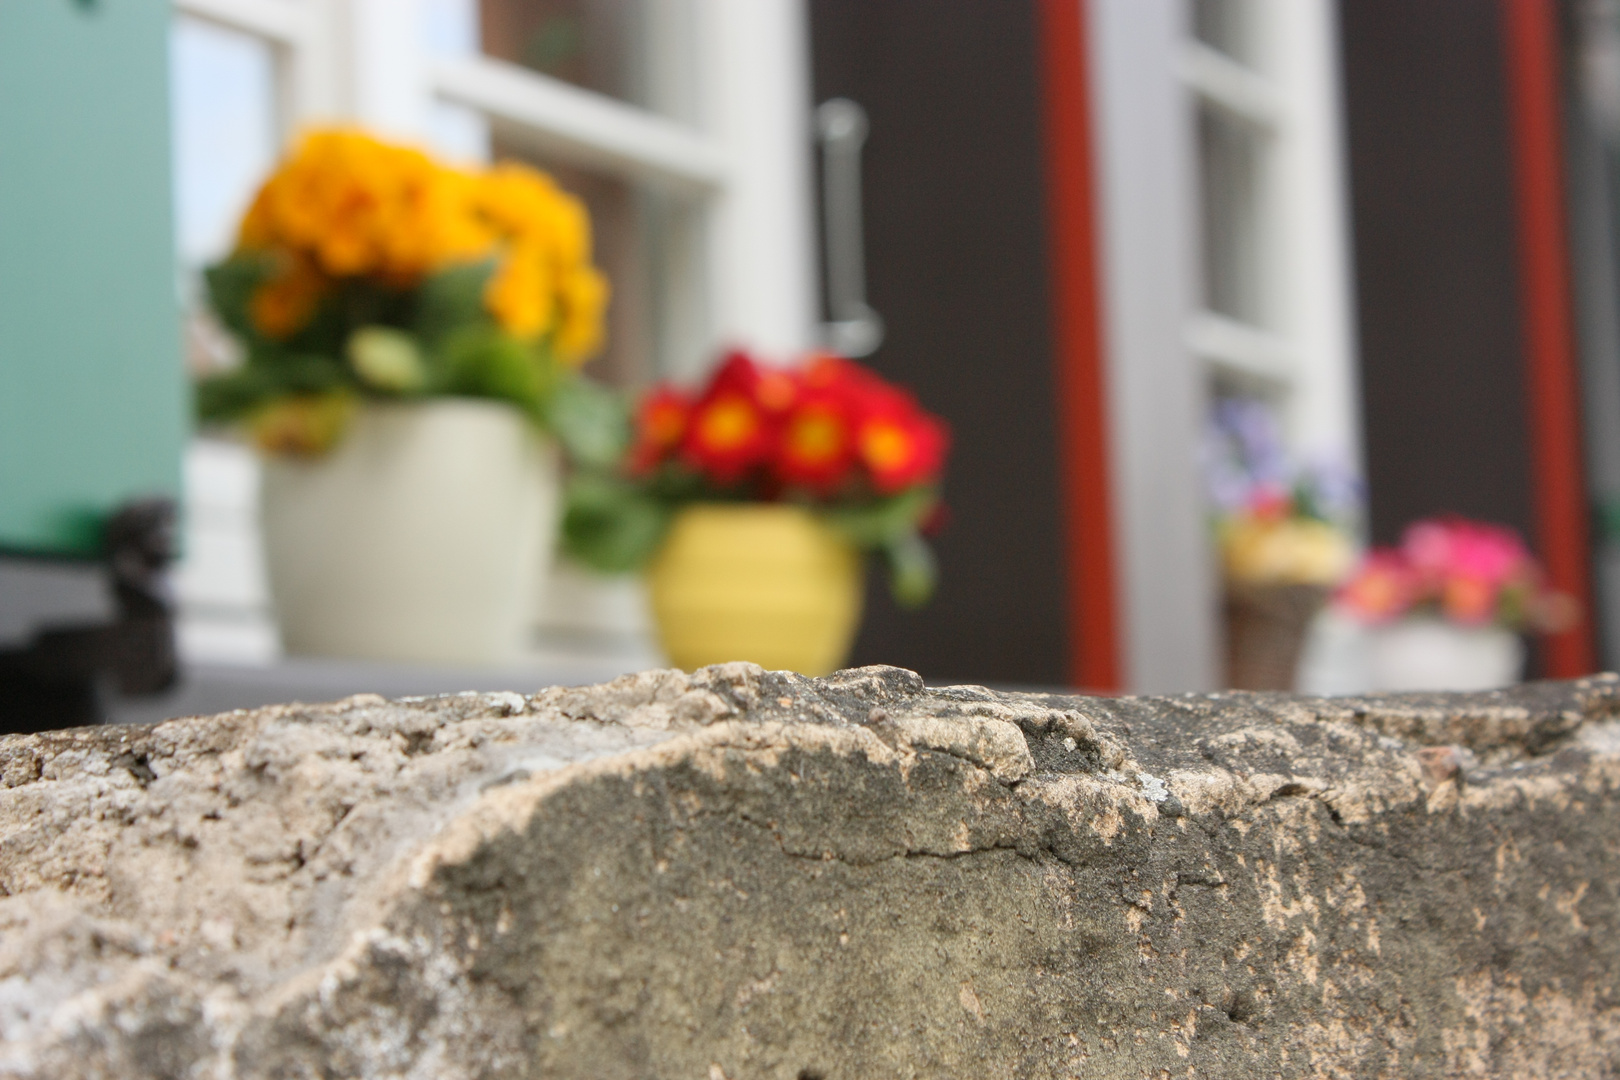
{"points": [[1530, 39], [1077, 335]]}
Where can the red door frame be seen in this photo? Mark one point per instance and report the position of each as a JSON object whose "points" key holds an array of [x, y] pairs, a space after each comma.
{"points": [[1092, 606], [1552, 386]]}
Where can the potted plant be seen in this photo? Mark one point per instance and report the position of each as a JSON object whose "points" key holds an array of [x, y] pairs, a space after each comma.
{"points": [[1446, 608], [1284, 539], [750, 502], [1280, 559], [410, 336]]}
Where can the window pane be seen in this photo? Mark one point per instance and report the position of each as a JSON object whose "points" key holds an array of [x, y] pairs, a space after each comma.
{"points": [[224, 132], [639, 51], [224, 104], [1231, 174], [226, 138]]}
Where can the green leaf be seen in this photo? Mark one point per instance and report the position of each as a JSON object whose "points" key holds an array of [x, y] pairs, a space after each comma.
{"points": [[231, 285], [268, 374], [912, 571], [481, 361], [609, 525], [232, 394], [300, 372], [451, 300], [591, 422], [387, 359], [883, 520]]}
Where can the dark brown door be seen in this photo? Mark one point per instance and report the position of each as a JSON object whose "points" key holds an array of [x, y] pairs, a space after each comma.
{"points": [[956, 257]]}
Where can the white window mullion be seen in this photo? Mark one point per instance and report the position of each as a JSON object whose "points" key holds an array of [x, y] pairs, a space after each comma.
{"points": [[220, 584], [1242, 353], [1229, 85], [1156, 388], [381, 77], [587, 128], [285, 24]]}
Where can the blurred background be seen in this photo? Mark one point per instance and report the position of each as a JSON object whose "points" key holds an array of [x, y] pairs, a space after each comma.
{"points": [[1371, 242]]}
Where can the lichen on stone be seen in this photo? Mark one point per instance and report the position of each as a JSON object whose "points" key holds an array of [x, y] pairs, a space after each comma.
{"points": [[744, 873]]}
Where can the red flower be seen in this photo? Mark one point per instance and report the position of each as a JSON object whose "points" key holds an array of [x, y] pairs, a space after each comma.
{"points": [[776, 390], [1271, 503], [661, 423], [824, 371], [728, 436], [899, 444], [737, 372], [817, 444], [730, 431], [815, 428]]}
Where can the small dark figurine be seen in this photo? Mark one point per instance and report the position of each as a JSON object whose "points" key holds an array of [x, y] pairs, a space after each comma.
{"points": [[60, 678], [139, 545]]}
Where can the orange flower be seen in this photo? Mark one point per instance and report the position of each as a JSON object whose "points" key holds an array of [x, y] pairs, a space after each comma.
{"points": [[1383, 588], [661, 422], [1468, 600], [348, 205], [283, 305]]}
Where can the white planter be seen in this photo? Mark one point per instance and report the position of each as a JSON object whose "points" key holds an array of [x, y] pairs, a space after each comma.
{"points": [[419, 538], [1431, 654]]}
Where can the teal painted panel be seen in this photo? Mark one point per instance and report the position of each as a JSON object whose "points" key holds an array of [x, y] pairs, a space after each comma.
{"points": [[93, 399]]}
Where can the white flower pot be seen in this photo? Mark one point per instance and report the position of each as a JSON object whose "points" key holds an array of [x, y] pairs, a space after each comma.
{"points": [[418, 538], [1431, 654]]}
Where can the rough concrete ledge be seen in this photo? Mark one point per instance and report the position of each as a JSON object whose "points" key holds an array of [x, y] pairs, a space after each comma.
{"points": [[741, 873]]}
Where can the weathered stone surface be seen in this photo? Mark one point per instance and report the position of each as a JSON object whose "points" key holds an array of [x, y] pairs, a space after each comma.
{"points": [[748, 874]]}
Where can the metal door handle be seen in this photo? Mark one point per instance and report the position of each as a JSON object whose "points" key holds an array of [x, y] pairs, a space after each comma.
{"points": [[855, 329]]}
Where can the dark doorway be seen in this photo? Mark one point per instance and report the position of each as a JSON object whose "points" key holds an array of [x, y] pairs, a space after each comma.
{"points": [[1442, 369], [956, 252]]}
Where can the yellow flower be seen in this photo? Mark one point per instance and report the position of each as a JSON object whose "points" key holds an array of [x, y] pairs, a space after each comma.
{"points": [[1291, 551], [346, 205], [584, 303], [518, 294], [306, 425]]}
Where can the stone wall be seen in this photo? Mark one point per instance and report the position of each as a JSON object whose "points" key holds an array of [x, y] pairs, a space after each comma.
{"points": [[739, 874]]}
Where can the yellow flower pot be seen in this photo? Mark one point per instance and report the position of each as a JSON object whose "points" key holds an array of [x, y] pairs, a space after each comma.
{"points": [[756, 581]]}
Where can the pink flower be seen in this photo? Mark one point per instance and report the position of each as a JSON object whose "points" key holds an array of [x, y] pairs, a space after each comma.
{"points": [[1473, 574], [1489, 552], [1384, 587], [1439, 549]]}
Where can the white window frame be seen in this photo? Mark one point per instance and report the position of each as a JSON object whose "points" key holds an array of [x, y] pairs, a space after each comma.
{"points": [[1148, 76], [1306, 359]]}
